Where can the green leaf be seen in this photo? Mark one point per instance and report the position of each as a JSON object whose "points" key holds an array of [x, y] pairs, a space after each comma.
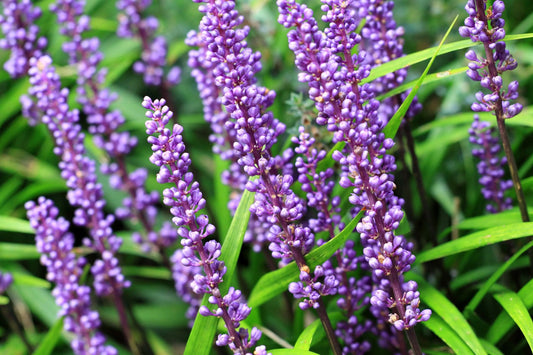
{"points": [[24, 279], [148, 271], [275, 282], [477, 240], [422, 55], [474, 302], [291, 352], [12, 251], [3, 300], [491, 349], [503, 322], [447, 334], [440, 305], [314, 332], [394, 123], [514, 306], [221, 197], [12, 224], [50, 340], [203, 332]]}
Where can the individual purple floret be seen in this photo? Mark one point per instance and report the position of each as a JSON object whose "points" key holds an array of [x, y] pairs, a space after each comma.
{"points": [[65, 269], [186, 201], [490, 167], [348, 109], [47, 103], [6, 279], [132, 23], [21, 35], [486, 26], [104, 124]]}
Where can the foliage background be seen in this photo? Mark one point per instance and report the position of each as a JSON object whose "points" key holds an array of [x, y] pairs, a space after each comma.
{"points": [[28, 167]]}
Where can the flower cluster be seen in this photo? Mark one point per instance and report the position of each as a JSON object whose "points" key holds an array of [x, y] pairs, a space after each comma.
{"points": [[47, 103], [349, 110], [21, 35], [65, 269], [155, 48], [486, 26], [104, 124], [490, 167], [186, 201]]}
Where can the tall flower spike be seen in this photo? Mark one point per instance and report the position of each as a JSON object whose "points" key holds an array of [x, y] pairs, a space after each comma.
{"points": [[65, 270], [485, 25], [47, 103], [349, 110], [21, 35], [234, 66], [186, 201], [490, 167], [132, 23], [104, 124]]}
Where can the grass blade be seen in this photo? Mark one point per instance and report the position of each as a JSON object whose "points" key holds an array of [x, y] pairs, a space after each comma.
{"points": [[203, 332], [394, 123], [440, 305], [514, 306], [12, 224], [447, 334], [291, 352], [474, 302], [13, 251], [503, 322], [50, 340], [477, 240]]}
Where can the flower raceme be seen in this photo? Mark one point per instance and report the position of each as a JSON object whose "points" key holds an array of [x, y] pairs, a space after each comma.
{"points": [[186, 202]]}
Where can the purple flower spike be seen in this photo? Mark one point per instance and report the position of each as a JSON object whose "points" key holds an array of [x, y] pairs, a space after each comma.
{"points": [[21, 35], [153, 58], [485, 25], [65, 269], [490, 167], [47, 103], [186, 201], [349, 110]]}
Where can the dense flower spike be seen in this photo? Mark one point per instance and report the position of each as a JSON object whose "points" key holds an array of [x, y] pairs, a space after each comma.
{"points": [[186, 201], [104, 124], [490, 167], [65, 270], [132, 23], [21, 35], [47, 103], [234, 66], [486, 26], [348, 109]]}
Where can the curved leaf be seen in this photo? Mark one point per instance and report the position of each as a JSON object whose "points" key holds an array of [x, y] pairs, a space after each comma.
{"points": [[503, 322], [394, 123], [514, 306], [448, 312], [477, 240], [50, 340], [314, 332], [13, 251], [474, 302], [12, 224], [447, 334]]}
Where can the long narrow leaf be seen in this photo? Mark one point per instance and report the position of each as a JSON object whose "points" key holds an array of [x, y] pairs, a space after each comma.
{"points": [[503, 322], [477, 240], [12, 224], [440, 305], [203, 332], [50, 340], [422, 55], [314, 332], [474, 302], [447, 334], [291, 352], [275, 282], [394, 123], [514, 306], [12, 251]]}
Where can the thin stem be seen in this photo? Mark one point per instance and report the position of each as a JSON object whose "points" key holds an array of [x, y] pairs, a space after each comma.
{"points": [[124, 322], [326, 323], [13, 324]]}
